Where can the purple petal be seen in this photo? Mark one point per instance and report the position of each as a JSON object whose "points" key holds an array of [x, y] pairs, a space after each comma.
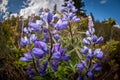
{"points": [[54, 65], [56, 47], [80, 66], [38, 53], [66, 57], [90, 74], [49, 17], [23, 59], [94, 38], [57, 55], [28, 56], [99, 40], [57, 36], [86, 42], [42, 45]]}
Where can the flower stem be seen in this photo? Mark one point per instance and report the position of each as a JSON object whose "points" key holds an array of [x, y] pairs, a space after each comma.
{"points": [[51, 44], [70, 29], [33, 60]]}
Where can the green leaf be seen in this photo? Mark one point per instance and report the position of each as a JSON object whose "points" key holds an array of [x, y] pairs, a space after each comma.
{"points": [[78, 53]]}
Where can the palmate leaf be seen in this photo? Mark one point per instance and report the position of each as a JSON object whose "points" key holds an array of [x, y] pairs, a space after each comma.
{"points": [[72, 66], [79, 54]]}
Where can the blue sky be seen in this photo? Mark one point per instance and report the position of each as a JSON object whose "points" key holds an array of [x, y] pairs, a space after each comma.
{"points": [[103, 9]]}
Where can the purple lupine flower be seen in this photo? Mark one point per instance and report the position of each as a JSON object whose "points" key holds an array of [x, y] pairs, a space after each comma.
{"points": [[74, 9], [99, 40], [90, 74], [94, 38], [83, 62], [80, 77], [90, 23], [39, 22], [42, 70], [56, 16], [33, 38], [98, 68], [54, 32], [25, 30], [77, 20], [57, 55], [80, 66], [24, 59], [74, 17], [98, 53], [30, 73], [24, 41], [62, 51], [57, 36], [65, 57], [28, 56], [45, 16], [63, 9], [46, 35], [38, 53], [42, 45], [62, 55], [64, 25], [60, 25], [34, 25], [69, 6], [88, 34], [86, 42], [90, 54], [92, 30], [49, 17], [84, 50], [70, 15], [45, 30], [30, 29], [54, 64], [90, 41], [56, 47]]}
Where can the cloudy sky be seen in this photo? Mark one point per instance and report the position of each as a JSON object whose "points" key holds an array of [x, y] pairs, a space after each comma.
{"points": [[101, 9]]}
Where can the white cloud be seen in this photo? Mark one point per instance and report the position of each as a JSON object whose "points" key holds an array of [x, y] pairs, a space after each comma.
{"points": [[3, 7], [35, 5], [103, 1]]}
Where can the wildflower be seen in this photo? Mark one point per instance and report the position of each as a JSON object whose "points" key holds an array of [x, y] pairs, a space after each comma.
{"points": [[90, 74], [30, 73], [57, 36], [86, 42], [80, 66], [41, 45], [84, 50], [24, 41], [38, 53], [99, 40], [33, 38], [54, 64], [42, 70], [23, 59]]}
